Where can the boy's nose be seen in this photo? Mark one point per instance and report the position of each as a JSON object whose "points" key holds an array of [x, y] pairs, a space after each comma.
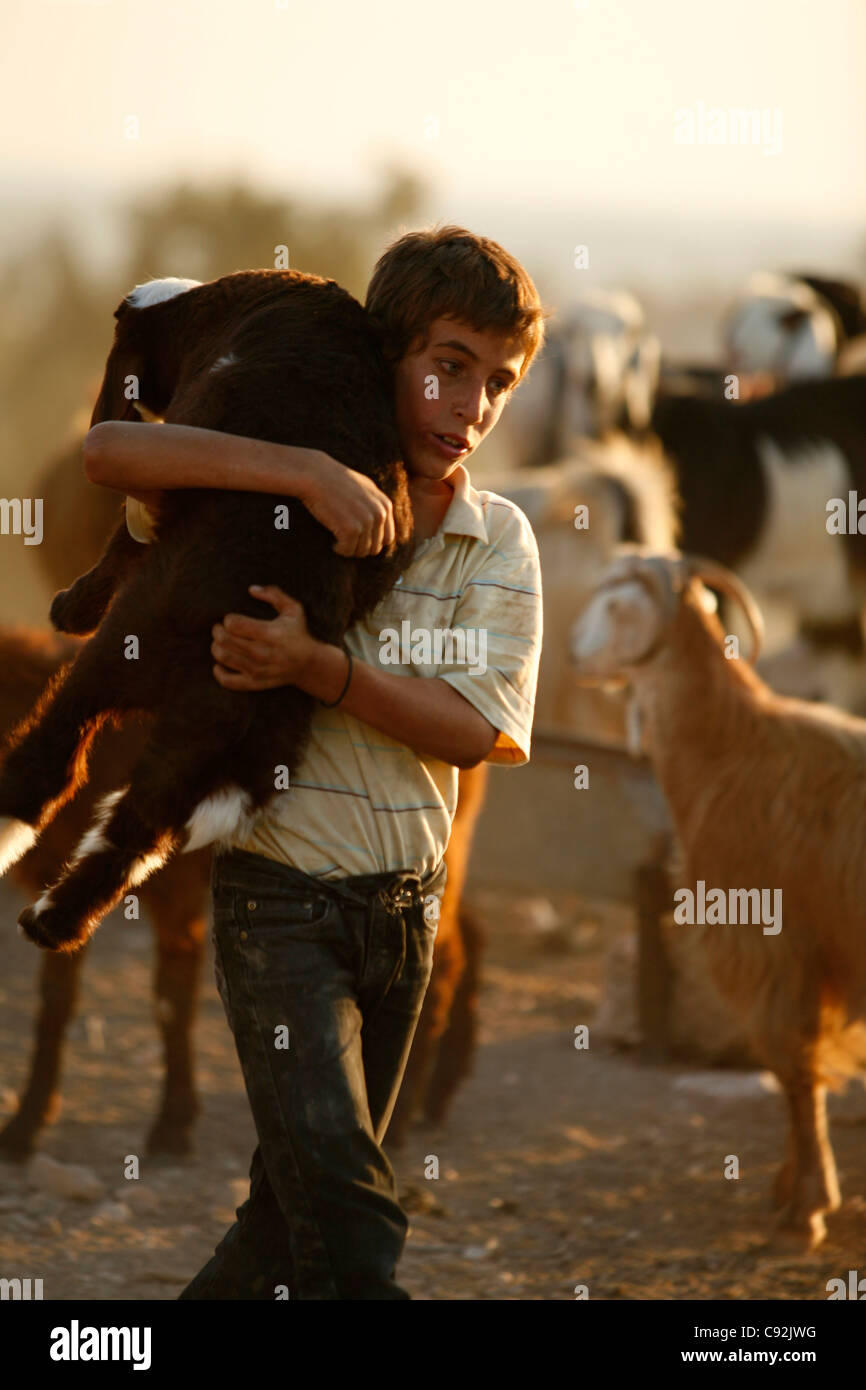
{"points": [[470, 410]]}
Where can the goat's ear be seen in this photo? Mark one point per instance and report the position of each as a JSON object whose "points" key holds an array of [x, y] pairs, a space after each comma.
{"points": [[123, 372], [124, 362]]}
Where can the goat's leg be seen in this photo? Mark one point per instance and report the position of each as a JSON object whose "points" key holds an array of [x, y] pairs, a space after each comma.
{"points": [[39, 1102], [456, 1052], [80, 608], [138, 827], [179, 919], [784, 1181], [456, 1027], [433, 1019], [45, 760], [814, 1184]]}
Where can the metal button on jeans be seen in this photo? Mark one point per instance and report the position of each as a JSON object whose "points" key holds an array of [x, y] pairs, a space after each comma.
{"points": [[252, 906]]}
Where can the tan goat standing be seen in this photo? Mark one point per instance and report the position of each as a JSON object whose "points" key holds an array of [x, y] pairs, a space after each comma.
{"points": [[766, 792]]}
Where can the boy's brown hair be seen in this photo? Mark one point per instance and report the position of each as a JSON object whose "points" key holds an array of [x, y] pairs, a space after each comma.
{"points": [[449, 272]]}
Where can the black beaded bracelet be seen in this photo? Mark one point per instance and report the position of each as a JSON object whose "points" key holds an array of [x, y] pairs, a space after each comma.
{"points": [[332, 704]]}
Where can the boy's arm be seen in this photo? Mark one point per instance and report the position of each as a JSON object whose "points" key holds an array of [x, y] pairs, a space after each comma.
{"points": [[147, 457], [479, 710], [427, 715], [143, 459], [501, 603]]}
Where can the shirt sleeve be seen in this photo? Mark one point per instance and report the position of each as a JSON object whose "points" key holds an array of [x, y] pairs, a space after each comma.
{"points": [[500, 609], [140, 521]]}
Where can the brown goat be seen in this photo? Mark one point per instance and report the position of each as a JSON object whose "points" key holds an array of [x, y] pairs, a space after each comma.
{"points": [[176, 901], [211, 762], [768, 795]]}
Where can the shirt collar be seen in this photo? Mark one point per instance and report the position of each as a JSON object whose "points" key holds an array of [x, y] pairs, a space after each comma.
{"points": [[465, 515]]}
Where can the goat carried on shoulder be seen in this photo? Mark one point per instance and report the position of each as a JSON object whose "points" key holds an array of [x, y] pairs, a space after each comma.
{"points": [[274, 355], [765, 792]]}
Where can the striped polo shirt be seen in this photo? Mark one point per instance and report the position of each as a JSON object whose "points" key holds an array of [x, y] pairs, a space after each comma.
{"points": [[466, 610]]}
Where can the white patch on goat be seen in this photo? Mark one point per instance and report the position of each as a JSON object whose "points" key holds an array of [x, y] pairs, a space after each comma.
{"points": [[228, 360], [157, 291], [44, 903], [148, 863], [593, 631], [220, 817], [616, 630], [16, 838], [758, 339], [762, 343], [94, 838], [796, 560]]}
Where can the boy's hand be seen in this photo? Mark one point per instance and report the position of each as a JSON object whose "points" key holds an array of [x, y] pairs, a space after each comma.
{"points": [[263, 653], [350, 506]]}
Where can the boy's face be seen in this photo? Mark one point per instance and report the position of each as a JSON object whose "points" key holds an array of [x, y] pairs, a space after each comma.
{"points": [[450, 391]]}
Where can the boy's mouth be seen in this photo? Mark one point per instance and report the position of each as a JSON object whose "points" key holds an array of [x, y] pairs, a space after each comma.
{"points": [[451, 445]]}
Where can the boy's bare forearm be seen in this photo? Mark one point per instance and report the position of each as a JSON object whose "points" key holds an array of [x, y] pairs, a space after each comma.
{"points": [[429, 716], [146, 458]]}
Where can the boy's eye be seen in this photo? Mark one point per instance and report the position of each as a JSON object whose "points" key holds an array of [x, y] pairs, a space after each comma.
{"points": [[495, 387]]}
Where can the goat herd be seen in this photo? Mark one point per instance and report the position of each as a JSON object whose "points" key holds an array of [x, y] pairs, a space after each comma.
{"points": [[648, 485]]}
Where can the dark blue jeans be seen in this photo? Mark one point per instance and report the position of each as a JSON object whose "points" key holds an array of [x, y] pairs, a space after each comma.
{"points": [[322, 983]]}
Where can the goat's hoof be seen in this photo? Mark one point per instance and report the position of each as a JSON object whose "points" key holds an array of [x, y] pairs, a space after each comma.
{"points": [[798, 1232], [17, 1140], [172, 1139], [49, 930], [69, 614]]}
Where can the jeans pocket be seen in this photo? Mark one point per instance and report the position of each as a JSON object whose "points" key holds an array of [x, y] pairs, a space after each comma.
{"points": [[295, 912]]}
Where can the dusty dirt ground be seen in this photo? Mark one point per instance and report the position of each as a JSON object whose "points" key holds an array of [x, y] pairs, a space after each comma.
{"points": [[558, 1166]]}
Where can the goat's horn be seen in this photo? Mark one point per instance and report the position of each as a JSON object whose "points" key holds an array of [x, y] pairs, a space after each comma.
{"points": [[720, 577], [666, 578]]}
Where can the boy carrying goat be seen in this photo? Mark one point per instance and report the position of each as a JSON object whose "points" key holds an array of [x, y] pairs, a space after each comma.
{"points": [[325, 907]]}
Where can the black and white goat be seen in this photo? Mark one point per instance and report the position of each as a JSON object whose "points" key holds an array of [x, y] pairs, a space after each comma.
{"points": [[755, 481], [788, 328], [276, 355]]}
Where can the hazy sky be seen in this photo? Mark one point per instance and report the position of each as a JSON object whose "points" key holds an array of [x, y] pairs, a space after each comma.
{"points": [[501, 99]]}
